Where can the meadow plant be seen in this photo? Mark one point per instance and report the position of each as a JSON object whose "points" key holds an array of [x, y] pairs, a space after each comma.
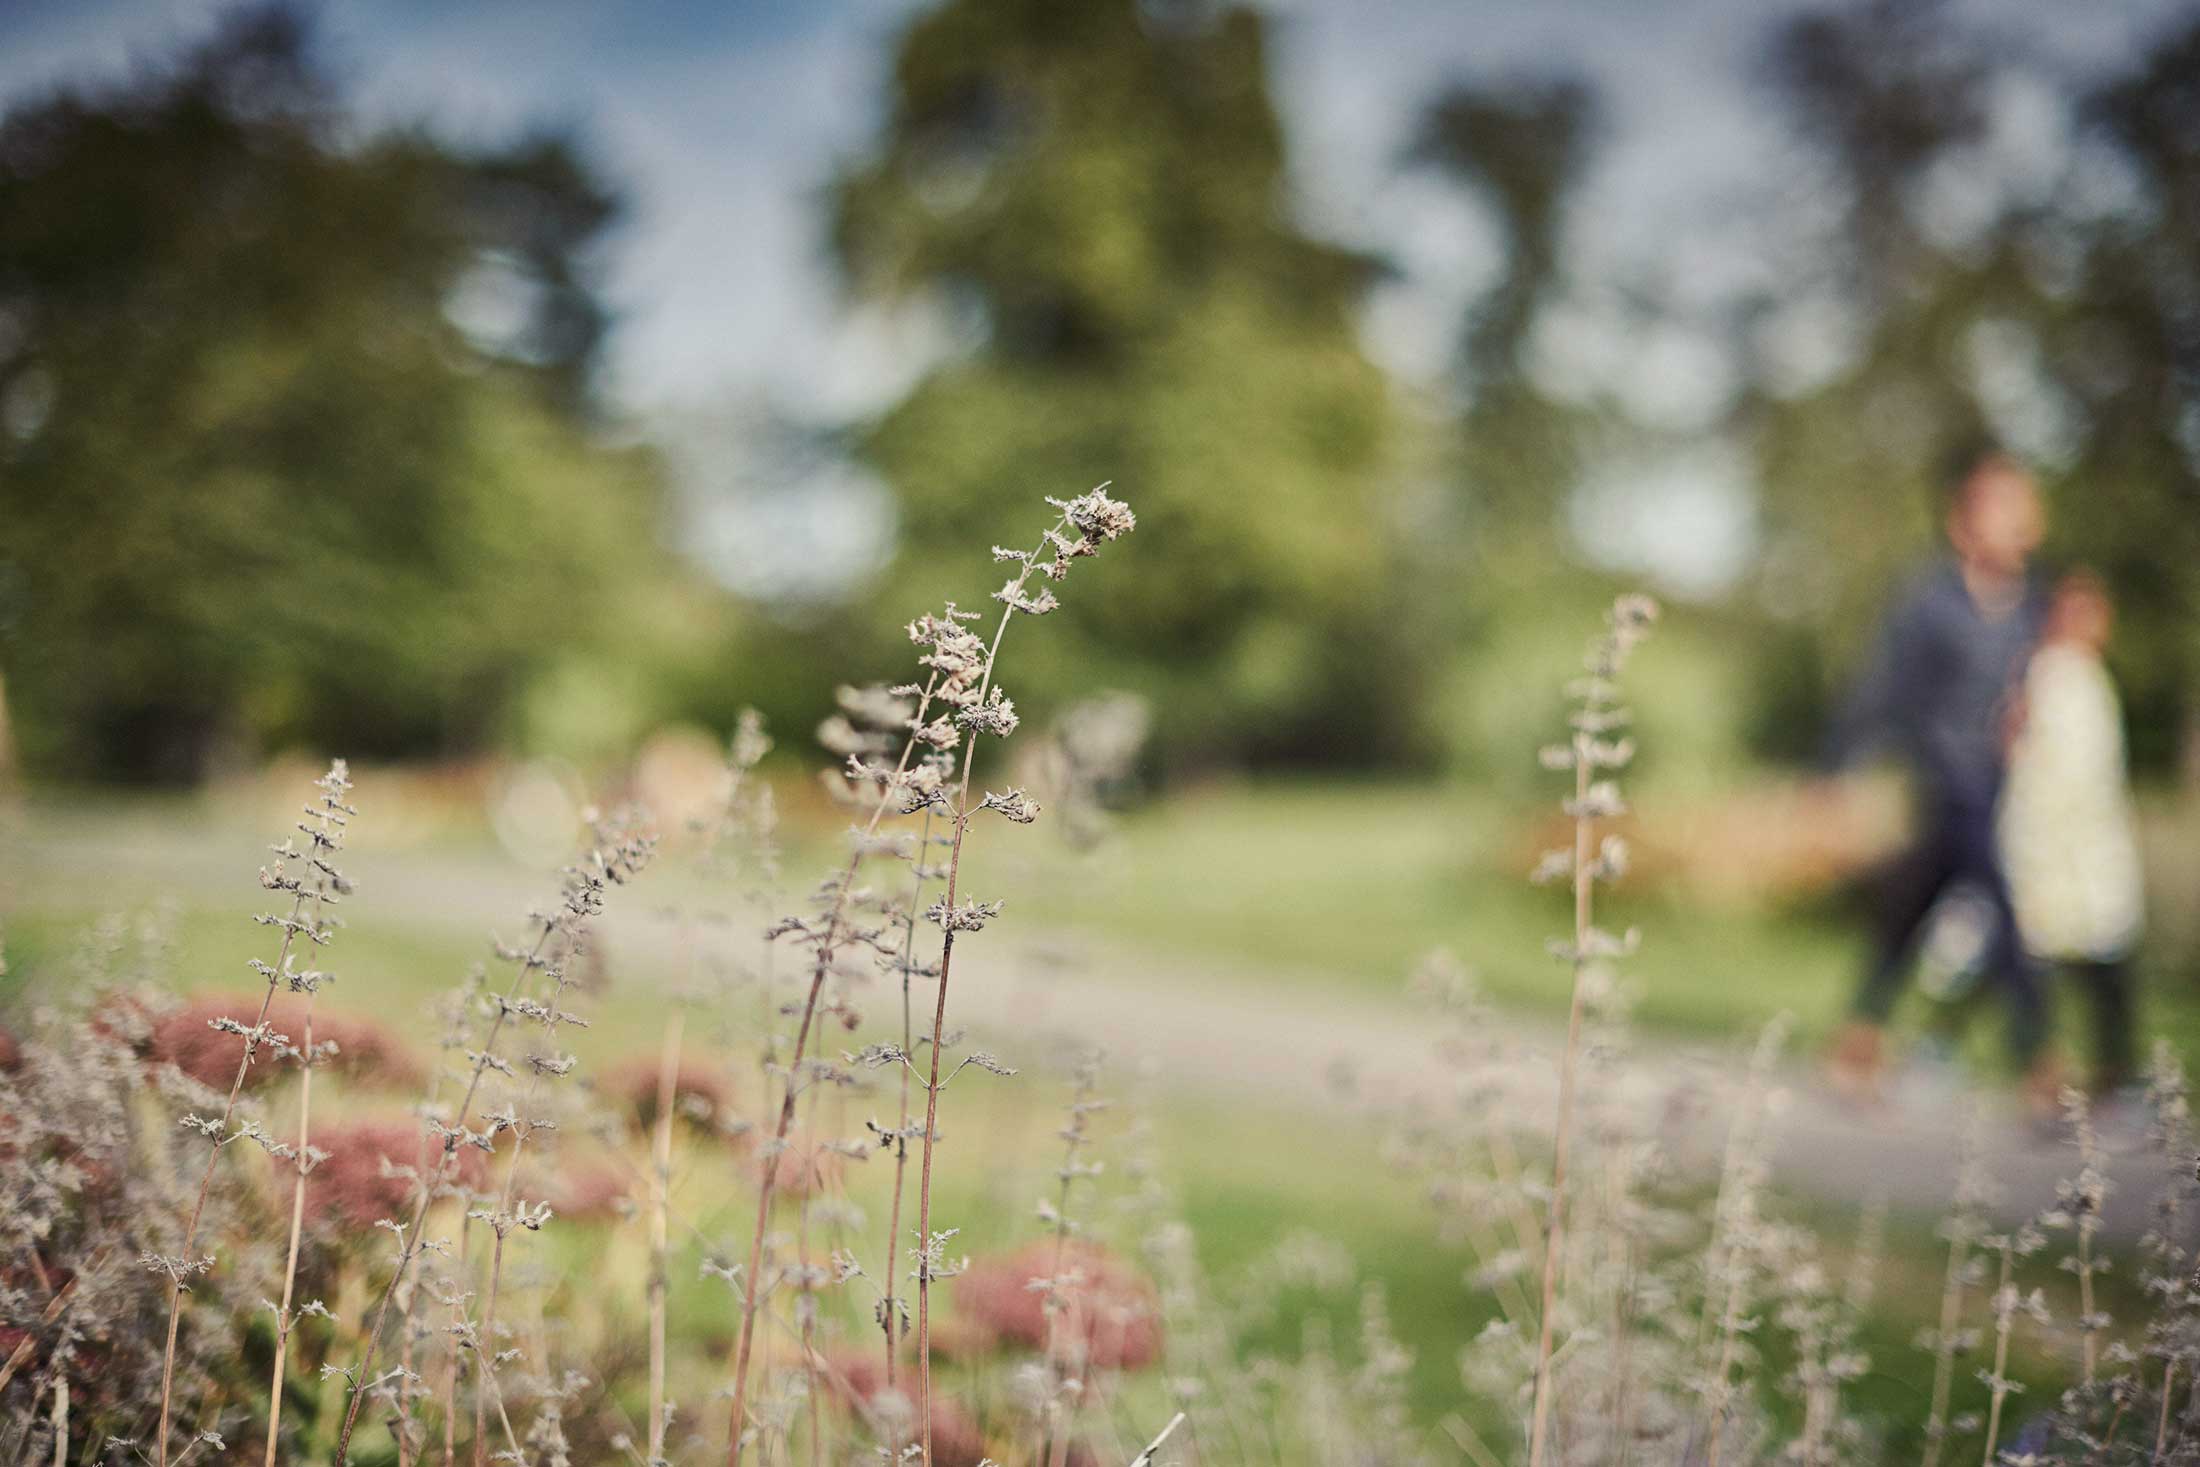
{"points": [[1597, 749], [81, 1337], [958, 701], [1061, 1290], [1640, 1311], [556, 943], [310, 879]]}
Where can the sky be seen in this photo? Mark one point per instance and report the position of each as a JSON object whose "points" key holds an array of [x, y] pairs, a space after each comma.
{"points": [[722, 121]]}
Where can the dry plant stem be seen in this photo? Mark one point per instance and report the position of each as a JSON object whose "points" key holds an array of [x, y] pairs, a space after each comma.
{"points": [[191, 1228], [1147, 1456], [1623, 1300], [1054, 1421], [1743, 1139], [924, 1186], [485, 1348], [1527, 1237], [403, 1412], [487, 1362], [410, 1247], [1464, 1437], [2089, 1338], [1718, 1252], [2115, 1419], [809, 1311], [54, 1309], [2161, 1425], [819, 971], [1730, 1325], [901, 1131], [206, 1182], [2005, 1313], [450, 1374], [1944, 1361], [660, 1188], [283, 1321], [1584, 873], [939, 1033]]}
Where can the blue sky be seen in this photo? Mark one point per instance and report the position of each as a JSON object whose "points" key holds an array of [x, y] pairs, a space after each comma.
{"points": [[722, 120]]}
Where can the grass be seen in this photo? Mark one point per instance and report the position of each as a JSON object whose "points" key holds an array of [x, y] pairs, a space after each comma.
{"points": [[1221, 875], [1214, 880], [1328, 886]]}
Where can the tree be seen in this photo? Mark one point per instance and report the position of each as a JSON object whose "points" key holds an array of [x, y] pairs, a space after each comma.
{"points": [[1522, 147], [2086, 309], [1103, 186], [296, 438], [2127, 352]]}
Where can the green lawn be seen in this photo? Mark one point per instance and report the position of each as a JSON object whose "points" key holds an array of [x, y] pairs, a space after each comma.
{"points": [[1346, 885], [1335, 886]]}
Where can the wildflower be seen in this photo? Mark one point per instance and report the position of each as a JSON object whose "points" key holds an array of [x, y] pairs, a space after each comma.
{"points": [[996, 715], [1014, 595], [969, 916], [1013, 805], [1102, 1311], [371, 1172], [1096, 516], [857, 1382]]}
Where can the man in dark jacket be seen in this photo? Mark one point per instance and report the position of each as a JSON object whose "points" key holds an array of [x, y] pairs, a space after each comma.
{"points": [[1941, 692]]}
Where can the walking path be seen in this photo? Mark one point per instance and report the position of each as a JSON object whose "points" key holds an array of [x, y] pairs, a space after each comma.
{"points": [[1233, 1036]]}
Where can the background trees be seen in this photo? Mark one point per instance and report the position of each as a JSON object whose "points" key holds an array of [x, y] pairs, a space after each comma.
{"points": [[297, 428], [2051, 302], [1101, 188], [300, 430]]}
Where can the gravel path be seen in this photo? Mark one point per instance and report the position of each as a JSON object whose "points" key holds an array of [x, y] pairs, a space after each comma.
{"points": [[1238, 1037]]}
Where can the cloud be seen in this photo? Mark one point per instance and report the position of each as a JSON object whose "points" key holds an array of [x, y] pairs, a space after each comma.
{"points": [[723, 123]]}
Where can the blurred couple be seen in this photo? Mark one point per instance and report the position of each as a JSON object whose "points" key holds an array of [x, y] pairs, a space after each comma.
{"points": [[1989, 683]]}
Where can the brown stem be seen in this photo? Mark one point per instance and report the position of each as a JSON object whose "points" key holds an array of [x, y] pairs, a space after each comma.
{"points": [[1944, 1360], [2089, 1338], [2005, 1312], [901, 1129], [745, 1341], [810, 1183], [206, 1182], [410, 1247], [485, 1349], [939, 1034], [53, 1311], [486, 1361], [283, 1320], [660, 1187], [1623, 1311], [450, 1374], [1554, 1244], [924, 1199], [1054, 1437], [317, 842], [2161, 1426]]}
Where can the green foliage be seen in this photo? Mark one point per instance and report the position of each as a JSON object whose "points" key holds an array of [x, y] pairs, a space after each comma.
{"points": [[2080, 297], [1104, 184], [296, 436]]}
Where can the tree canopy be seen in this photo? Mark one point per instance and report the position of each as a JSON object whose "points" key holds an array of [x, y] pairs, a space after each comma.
{"points": [[294, 423], [1103, 187], [2061, 317]]}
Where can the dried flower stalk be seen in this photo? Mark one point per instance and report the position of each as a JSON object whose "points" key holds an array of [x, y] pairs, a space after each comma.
{"points": [[1595, 718], [322, 886]]}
